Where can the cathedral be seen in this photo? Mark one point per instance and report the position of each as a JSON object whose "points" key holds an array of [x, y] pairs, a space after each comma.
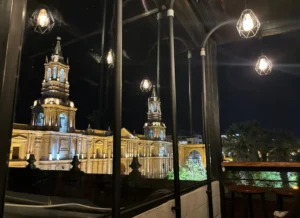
{"points": [[52, 137]]}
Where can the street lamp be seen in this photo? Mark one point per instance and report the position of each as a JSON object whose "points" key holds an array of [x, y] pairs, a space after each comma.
{"points": [[146, 85], [248, 25], [263, 65], [42, 20]]}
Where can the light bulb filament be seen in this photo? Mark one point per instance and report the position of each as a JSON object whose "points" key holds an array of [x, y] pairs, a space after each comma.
{"points": [[43, 18], [146, 84], [109, 57], [248, 23], [263, 65]]}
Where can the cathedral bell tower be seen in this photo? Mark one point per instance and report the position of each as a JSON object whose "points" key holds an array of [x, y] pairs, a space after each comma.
{"points": [[154, 128], [54, 110]]}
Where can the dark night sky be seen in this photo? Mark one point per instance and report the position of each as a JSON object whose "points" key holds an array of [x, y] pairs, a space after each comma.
{"points": [[272, 99], [244, 95]]}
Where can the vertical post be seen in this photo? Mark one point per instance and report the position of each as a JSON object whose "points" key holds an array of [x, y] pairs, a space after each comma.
{"points": [[189, 56], [211, 119], [205, 138], [103, 63], [211, 104], [12, 24], [159, 17], [211, 122], [117, 110], [174, 113]]}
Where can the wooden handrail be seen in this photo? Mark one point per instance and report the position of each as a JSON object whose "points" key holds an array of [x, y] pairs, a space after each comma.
{"points": [[261, 164]]}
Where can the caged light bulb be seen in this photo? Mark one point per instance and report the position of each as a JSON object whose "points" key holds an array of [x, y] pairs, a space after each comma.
{"points": [[146, 85], [263, 66], [109, 58]]}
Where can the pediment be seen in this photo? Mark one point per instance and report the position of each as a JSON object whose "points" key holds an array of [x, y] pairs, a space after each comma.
{"points": [[99, 142], [19, 137]]}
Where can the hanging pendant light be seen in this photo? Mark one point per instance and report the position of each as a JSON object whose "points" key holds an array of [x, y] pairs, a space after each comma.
{"points": [[42, 20], [248, 24], [263, 65], [146, 85]]}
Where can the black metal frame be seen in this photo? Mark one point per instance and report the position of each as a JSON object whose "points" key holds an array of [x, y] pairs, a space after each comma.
{"points": [[12, 25], [177, 207], [210, 111], [189, 56], [117, 110], [103, 63], [159, 18]]}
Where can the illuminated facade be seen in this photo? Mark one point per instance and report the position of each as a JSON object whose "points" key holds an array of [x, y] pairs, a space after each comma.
{"points": [[54, 110], [54, 140], [154, 128]]}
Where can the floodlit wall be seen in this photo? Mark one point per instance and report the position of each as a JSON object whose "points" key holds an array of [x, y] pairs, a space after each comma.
{"points": [[193, 205]]}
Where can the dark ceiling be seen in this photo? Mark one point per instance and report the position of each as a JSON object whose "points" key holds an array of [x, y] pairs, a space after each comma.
{"points": [[81, 22]]}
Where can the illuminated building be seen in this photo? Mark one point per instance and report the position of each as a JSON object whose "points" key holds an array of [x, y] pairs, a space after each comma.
{"points": [[54, 140]]}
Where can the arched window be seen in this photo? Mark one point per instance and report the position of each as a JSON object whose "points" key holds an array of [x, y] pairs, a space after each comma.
{"points": [[62, 75], [54, 72], [161, 151], [155, 107], [151, 108], [49, 73], [151, 133], [162, 135], [40, 120], [195, 157], [63, 123]]}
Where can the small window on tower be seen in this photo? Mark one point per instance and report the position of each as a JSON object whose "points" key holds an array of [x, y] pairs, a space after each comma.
{"points": [[151, 133], [62, 75], [162, 135], [63, 123], [151, 108], [40, 119], [54, 73], [49, 73]]}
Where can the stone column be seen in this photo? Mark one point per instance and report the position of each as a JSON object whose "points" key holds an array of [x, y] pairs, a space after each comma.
{"points": [[88, 147], [37, 146], [148, 156], [108, 160]]}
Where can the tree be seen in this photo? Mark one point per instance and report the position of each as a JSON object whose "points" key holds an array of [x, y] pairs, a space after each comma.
{"points": [[190, 171], [283, 144], [245, 139]]}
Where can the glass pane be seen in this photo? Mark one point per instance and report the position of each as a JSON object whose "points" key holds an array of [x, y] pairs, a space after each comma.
{"points": [[62, 142]]}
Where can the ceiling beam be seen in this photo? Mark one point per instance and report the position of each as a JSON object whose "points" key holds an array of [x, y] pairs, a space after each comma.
{"points": [[190, 21]]}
